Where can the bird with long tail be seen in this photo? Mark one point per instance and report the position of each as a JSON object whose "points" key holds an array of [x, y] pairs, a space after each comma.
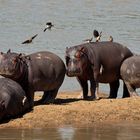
{"points": [[49, 25]]}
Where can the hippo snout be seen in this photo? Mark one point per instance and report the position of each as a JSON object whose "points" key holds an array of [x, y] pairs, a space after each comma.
{"points": [[73, 72]]}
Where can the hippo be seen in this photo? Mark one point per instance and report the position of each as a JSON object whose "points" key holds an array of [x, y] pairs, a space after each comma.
{"points": [[130, 73], [13, 101], [98, 62], [40, 71]]}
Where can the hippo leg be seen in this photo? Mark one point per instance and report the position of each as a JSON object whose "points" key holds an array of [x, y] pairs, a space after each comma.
{"points": [[131, 90], [125, 91], [114, 86], [84, 86], [94, 89], [48, 97], [30, 98]]}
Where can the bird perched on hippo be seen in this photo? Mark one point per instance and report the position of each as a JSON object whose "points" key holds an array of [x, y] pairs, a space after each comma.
{"points": [[98, 62], [40, 71]]}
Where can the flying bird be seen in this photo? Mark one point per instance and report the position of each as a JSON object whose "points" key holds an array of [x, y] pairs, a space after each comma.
{"points": [[30, 40], [49, 25], [97, 35], [110, 38]]}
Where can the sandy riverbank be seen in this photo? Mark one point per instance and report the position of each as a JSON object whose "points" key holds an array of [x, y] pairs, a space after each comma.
{"points": [[68, 110]]}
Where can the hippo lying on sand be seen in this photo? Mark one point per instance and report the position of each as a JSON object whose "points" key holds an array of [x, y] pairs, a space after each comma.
{"points": [[41, 71], [13, 101], [99, 63], [130, 72]]}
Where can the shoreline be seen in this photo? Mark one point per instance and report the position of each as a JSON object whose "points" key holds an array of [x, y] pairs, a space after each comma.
{"points": [[69, 110]]}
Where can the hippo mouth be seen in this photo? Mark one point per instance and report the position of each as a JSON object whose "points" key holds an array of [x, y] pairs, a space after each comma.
{"points": [[73, 73], [6, 74]]}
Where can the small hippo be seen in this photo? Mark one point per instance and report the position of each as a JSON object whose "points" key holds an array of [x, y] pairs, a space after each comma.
{"points": [[130, 73], [40, 71], [98, 62], [13, 101]]}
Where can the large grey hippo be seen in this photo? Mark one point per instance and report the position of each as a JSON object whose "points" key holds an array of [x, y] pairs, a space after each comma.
{"points": [[98, 62], [130, 73], [13, 101], [40, 71]]}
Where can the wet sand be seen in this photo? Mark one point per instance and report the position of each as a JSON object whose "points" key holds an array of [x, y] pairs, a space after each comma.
{"points": [[69, 110]]}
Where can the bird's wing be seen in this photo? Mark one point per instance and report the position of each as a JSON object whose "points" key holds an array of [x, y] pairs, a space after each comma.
{"points": [[95, 33], [45, 29], [26, 41], [100, 34], [48, 23], [34, 36]]}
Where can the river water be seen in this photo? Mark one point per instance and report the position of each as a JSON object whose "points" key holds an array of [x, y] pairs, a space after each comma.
{"points": [[74, 21], [117, 131]]}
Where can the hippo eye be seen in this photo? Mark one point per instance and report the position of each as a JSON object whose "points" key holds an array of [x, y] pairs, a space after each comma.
{"points": [[14, 60], [78, 54]]}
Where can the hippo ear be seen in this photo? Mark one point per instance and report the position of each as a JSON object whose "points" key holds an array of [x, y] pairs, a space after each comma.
{"points": [[82, 49], [9, 51], [20, 55]]}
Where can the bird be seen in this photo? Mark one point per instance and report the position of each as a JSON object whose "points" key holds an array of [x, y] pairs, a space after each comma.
{"points": [[97, 35], [110, 38], [49, 25], [30, 40], [88, 40]]}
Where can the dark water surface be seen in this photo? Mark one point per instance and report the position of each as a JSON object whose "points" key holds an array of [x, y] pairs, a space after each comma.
{"points": [[74, 21], [123, 131]]}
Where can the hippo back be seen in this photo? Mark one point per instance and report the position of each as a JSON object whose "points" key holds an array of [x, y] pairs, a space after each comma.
{"points": [[109, 55], [130, 69], [48, 68], [11, 99]]}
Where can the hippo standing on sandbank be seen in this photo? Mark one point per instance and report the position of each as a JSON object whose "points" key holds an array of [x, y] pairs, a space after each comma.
{"points": [[98, 62], [130, 73], [40, 71], [13, 101]]}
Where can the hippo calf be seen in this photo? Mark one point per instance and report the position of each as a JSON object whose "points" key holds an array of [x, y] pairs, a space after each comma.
{"points": [[13, 101], [40, 71], [130, 73], [98, 62]]}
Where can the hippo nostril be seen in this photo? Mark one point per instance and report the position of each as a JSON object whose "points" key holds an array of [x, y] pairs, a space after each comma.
{"points": [[77, 70]]}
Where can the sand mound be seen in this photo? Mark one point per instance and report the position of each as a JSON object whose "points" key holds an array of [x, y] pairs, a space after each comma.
{"points": [[69, 110]]}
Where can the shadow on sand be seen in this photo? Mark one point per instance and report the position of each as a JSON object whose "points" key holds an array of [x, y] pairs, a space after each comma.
{"points": [[59, 101]]}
